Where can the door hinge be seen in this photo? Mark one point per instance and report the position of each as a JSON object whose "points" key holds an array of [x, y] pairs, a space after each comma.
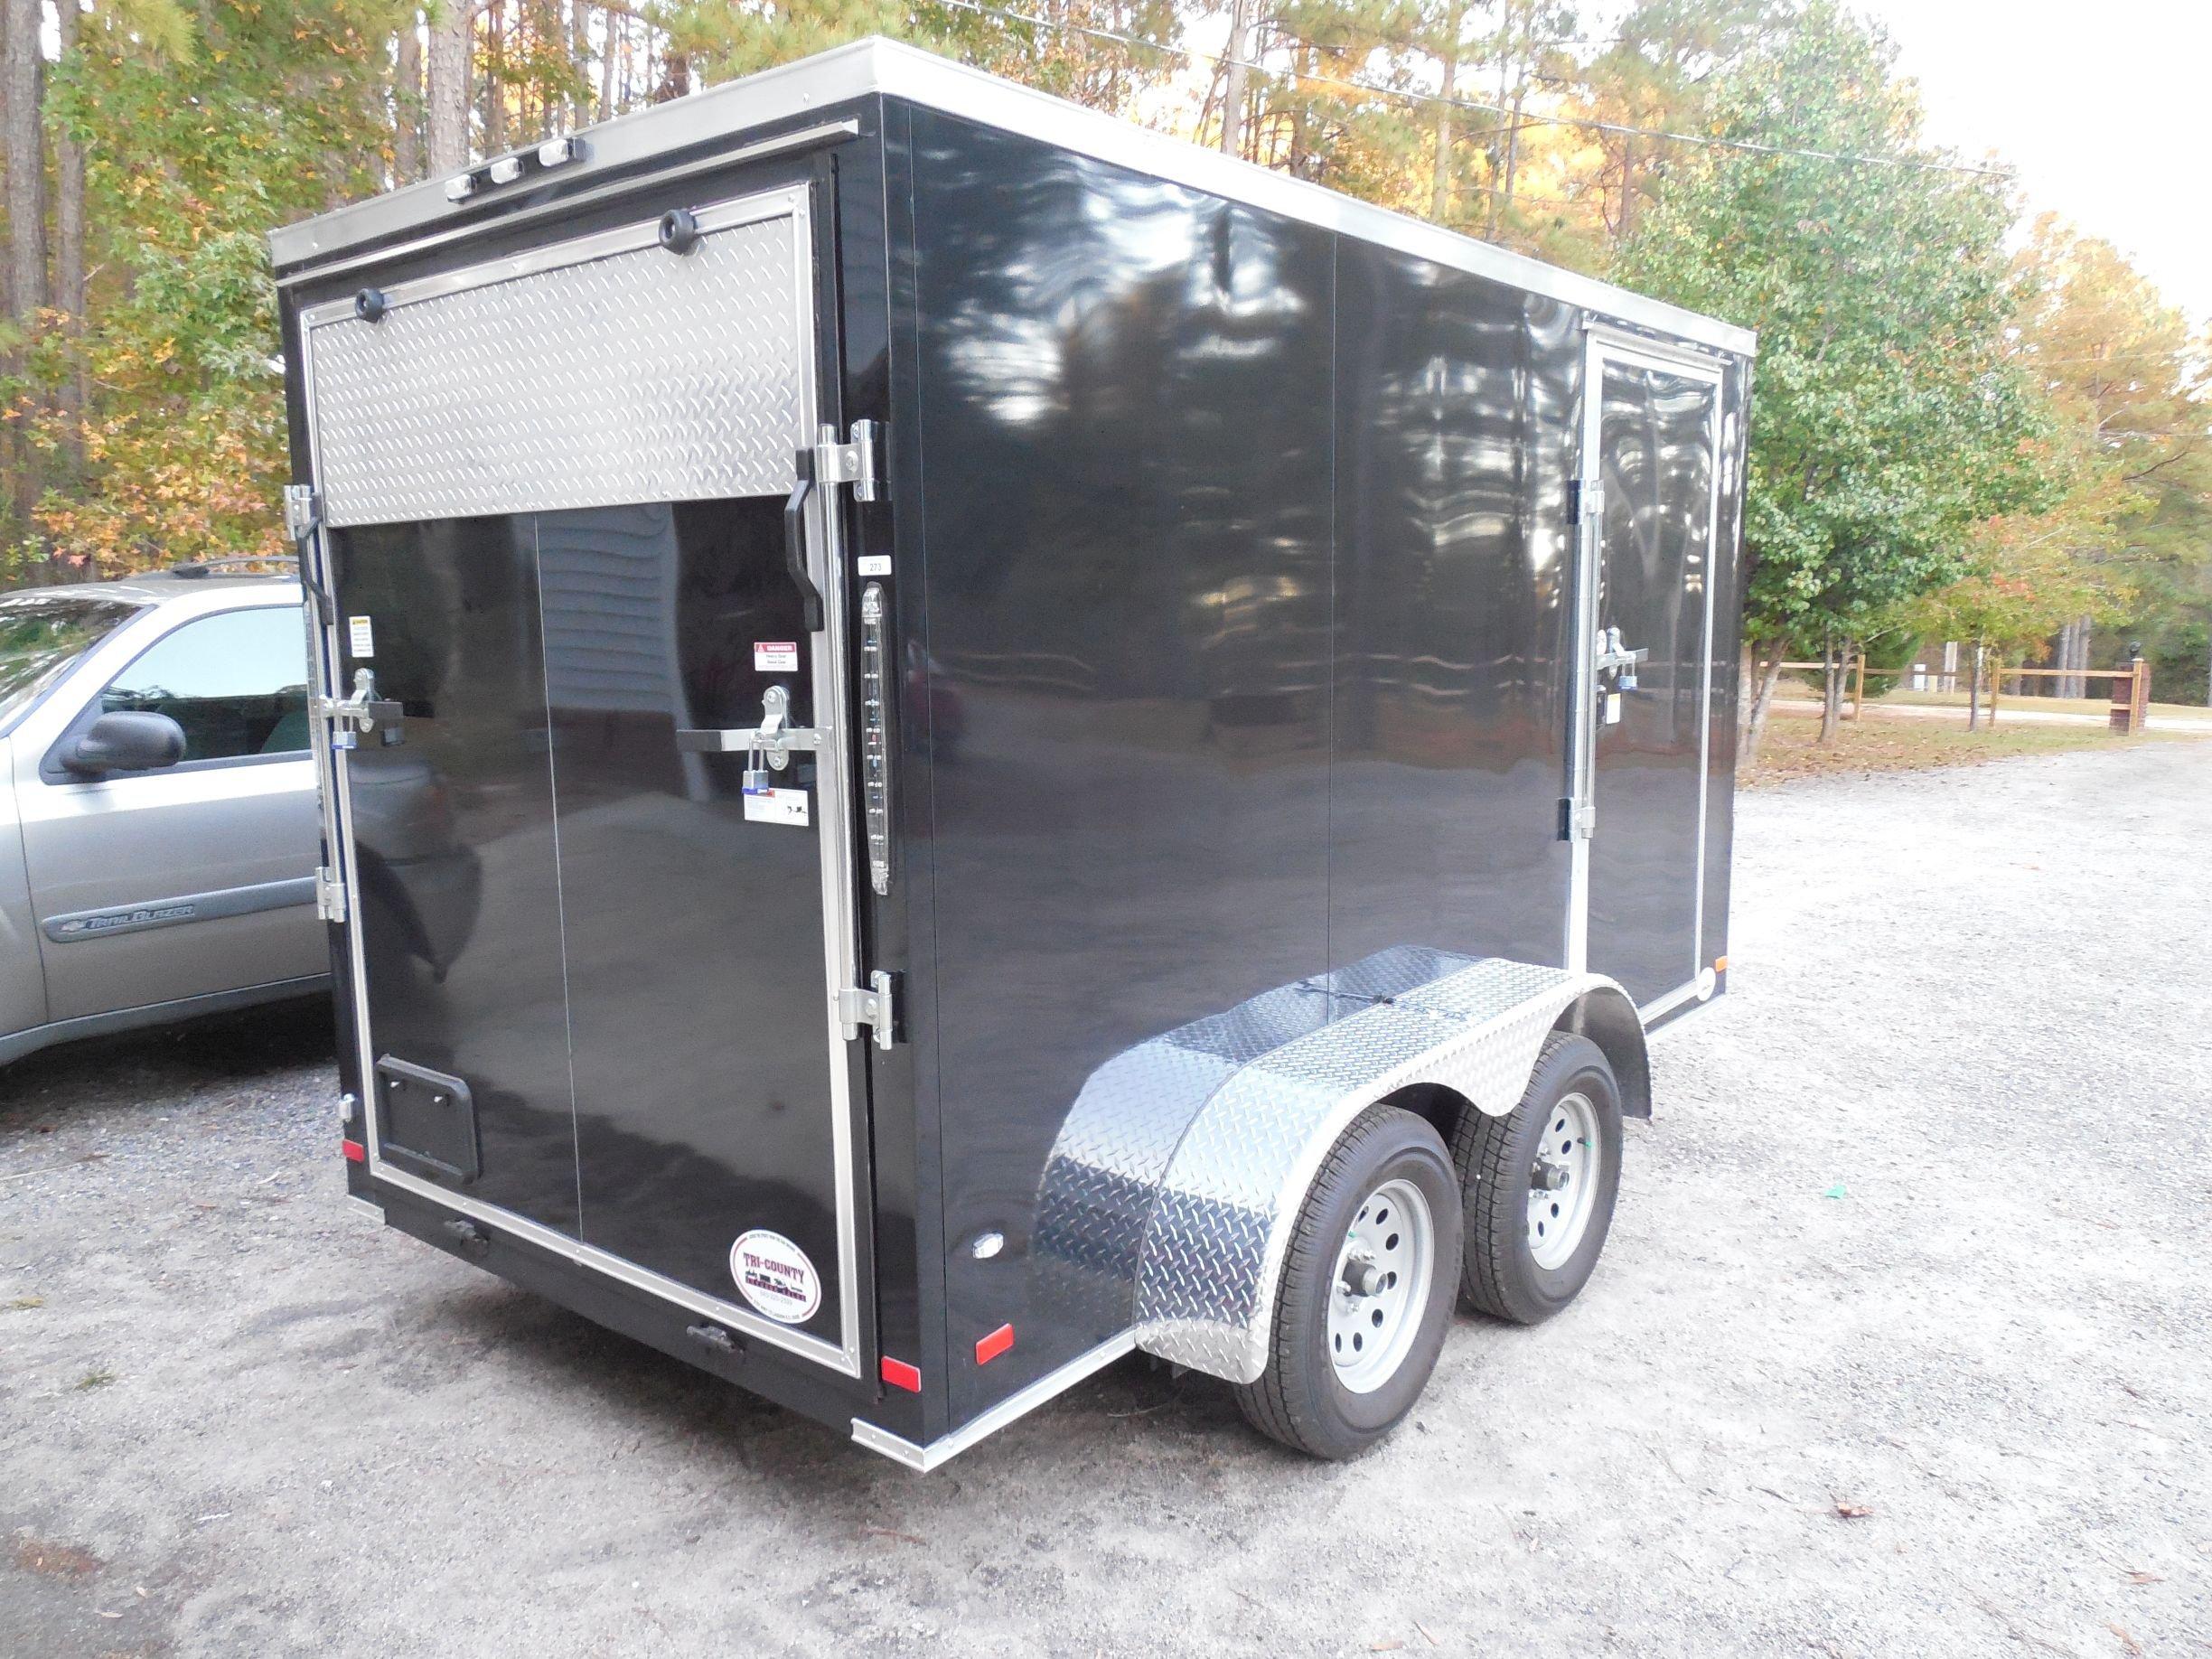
{"points": [[1576, 823], [329, 897], [303, 510], [875, 1006], [857, 463]]}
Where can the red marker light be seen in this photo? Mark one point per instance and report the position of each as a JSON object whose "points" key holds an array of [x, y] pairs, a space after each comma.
{"points": [[898, 1374], [994, 1344], [355, 1152]]}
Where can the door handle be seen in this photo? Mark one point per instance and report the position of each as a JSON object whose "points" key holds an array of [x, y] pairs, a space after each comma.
{"points": [[795, 543]]}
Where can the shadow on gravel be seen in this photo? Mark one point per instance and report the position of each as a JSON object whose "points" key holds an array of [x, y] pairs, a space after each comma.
{"points": [[139, 1064]]}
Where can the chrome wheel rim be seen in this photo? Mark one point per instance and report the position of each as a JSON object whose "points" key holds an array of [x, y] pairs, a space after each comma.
{"points": [[1381, 1287], [1563, 1181]]}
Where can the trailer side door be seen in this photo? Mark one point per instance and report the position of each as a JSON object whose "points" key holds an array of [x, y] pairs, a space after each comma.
{"points": [[1641, 714]]}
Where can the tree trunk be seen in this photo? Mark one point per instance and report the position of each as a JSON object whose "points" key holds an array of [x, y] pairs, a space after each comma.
{"points": [[1762, 704], [70, 262], [408, 103], [493, 107], [1439, 189], [447, 106], [1973, 693], [1832, 691], [579, 64], [1628, 205], [22, 94], [1232, 90]]}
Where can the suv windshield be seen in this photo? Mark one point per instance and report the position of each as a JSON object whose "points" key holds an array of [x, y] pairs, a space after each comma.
{"points": [[41, 635]]}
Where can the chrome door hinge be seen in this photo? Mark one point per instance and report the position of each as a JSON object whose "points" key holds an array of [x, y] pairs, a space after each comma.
{"points": [[855, 462], [875, 1008], [303, 510], [330, 898], [1577, 822]]}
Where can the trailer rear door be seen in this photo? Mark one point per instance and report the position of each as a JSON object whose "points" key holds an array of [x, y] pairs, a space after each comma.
{"points": [[1651, 443], [598, 948]]}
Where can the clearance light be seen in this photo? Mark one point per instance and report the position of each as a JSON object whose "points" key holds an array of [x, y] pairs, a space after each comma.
{"points": [[898, 1374], [994, 1344], [355, 1152]]}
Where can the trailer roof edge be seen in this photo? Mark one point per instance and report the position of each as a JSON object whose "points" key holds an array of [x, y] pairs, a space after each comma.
{"points": [[894, 69]]}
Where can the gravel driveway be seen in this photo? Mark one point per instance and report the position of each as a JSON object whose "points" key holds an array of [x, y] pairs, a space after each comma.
{"points": [[1903, 1344]]}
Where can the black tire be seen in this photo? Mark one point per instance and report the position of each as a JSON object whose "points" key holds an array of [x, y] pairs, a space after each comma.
{"points": [[1496, 1158], [1298, 1399]]}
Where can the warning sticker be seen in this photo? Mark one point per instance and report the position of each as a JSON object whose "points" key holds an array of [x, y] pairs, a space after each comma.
{"points": [[775, 1276], [775, 656], [361, 637], [776, 806]]}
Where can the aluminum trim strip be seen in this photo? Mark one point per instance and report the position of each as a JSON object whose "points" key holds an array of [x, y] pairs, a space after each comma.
{"points": [[1669, 1002], [1019, 1404], [629, 1272], [783, 144], [112, 920], [897, 71]]}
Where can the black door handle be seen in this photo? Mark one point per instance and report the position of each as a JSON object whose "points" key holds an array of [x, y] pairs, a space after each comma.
{"points": [[795, 543]]}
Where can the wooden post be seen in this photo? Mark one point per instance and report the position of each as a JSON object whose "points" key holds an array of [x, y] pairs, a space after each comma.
{"points": [[2127, 699], [2143, 693], [1996, 685], [1859, 686]]}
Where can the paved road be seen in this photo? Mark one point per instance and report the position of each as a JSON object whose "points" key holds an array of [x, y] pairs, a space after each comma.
{"points": [[237, 1418]]}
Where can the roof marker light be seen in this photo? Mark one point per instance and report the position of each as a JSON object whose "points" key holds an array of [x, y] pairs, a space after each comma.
{"points": [[461, 187], [506, 170], [557, 152]]}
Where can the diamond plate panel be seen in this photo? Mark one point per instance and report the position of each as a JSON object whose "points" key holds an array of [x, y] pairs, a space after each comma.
{"points": [[641, 376], [1182, 1168]]}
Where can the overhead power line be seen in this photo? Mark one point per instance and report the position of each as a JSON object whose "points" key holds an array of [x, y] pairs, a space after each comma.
{"points": [[1524, 118]]}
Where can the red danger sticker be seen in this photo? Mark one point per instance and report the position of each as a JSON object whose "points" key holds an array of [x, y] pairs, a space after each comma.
{"points": [[775, 656], [775, 1276]]}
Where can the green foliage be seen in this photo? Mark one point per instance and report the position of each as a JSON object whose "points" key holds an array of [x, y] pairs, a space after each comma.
{"points": [[1888, 415], [200, 131]]}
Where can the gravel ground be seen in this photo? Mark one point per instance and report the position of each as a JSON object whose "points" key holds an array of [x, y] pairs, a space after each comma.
{"points": [[1903, 1344]]}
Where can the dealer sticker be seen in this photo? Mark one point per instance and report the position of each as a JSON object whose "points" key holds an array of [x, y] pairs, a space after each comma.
{"points": [[361, 636], [776, 806], [775, 1276], [775, 656]]}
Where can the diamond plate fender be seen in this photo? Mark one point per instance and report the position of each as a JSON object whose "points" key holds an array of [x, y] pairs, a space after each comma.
{"points": [[1168, 1199]]}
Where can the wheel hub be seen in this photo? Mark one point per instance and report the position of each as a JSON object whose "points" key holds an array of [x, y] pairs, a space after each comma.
{"points": [[1563, 1181], [1381, 1287]]}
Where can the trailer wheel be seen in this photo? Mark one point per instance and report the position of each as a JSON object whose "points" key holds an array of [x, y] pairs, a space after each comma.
{"points": [[1538, 1184], [1366, 1291]]}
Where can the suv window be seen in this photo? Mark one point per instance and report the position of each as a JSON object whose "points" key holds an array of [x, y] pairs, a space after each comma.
{"points": [[236, 681], [41, 635]]}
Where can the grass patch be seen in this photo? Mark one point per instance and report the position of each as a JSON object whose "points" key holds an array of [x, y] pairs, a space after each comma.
{"points": [[95, 1379], [1872, 746], [23, 1303]]}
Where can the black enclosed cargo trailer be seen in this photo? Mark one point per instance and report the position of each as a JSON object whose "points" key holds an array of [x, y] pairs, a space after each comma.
{"points": [[999, 740]]}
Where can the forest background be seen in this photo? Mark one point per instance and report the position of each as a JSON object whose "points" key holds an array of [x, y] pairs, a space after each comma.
{"points": [[1971, 421]]}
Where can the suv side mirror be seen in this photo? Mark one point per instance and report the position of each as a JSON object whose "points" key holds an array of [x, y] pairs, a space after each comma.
{"points": [[127, 740]]}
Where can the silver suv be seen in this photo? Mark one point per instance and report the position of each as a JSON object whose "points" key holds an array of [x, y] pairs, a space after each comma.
{"points": [[158, 827]]}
